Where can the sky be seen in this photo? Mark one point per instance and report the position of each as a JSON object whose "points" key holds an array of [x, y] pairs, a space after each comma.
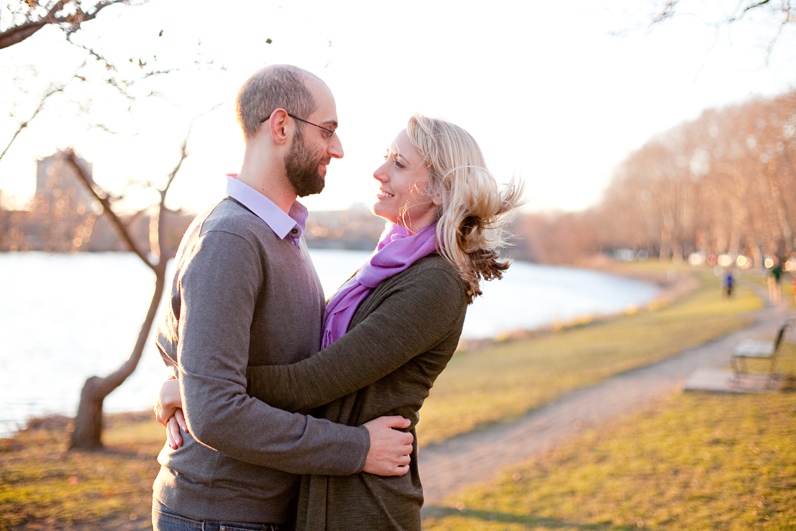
{"points": [[548, 89]]}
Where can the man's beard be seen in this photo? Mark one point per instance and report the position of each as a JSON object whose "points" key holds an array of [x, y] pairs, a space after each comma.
{"points": [[301, 166]]}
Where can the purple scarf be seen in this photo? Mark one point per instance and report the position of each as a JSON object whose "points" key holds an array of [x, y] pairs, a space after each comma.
{"points": [[396, 251]]}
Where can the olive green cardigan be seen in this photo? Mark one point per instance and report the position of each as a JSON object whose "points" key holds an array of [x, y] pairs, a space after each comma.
{"points": [[399, 340]]}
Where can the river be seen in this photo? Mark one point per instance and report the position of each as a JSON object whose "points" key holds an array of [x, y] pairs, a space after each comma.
{"points": [[64, 318]]}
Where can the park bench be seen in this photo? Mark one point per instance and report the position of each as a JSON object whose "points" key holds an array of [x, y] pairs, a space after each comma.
{"points": [[759, 350]]}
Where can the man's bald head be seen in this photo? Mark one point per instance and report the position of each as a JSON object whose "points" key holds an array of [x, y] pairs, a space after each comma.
{"points": [[274, 87]]}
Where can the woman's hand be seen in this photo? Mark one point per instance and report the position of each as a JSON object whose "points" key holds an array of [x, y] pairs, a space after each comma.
{"points": [[169, 413], [167, 401], [173, 425]]}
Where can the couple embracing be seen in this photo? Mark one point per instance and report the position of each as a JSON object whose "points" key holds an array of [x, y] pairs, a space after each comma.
{"points": [[285, 411]]}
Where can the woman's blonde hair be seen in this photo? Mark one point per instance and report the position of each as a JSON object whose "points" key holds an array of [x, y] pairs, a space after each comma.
{"points": [[474, 212]]}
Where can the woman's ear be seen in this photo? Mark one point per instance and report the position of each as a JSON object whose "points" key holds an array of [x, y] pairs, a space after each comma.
{"points": [[436, 198]]}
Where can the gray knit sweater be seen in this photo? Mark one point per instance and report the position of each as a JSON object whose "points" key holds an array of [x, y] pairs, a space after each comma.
{"points": [[399, 340], [241, 296]]}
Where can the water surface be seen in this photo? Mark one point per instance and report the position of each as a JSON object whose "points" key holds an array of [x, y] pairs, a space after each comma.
{"points": [[65, 318]]}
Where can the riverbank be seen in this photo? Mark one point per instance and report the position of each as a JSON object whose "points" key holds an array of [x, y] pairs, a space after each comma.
{"points": [[673, 281], [46, 487]]}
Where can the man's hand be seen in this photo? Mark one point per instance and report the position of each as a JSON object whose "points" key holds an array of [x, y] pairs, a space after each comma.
{"points": [[390, 449]]}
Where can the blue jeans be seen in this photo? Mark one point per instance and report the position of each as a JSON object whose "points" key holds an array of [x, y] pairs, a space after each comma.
{"points": [[164, 519]]}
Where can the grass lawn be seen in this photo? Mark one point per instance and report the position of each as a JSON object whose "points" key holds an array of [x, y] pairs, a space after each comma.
{"points": [[693, 462], [44, 486], [512, 377]]}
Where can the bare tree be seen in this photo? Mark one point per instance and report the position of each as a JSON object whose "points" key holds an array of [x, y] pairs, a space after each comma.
{"points": [[98, 71], [782, 10], [26, 18], [779, 14], [723, 183], [87, 432]]}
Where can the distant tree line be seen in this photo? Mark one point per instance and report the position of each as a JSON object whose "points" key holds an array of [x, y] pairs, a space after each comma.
{"points": [[723, 183], [63, 223]]}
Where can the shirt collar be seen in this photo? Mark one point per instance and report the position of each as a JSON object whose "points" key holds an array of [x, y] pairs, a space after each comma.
{"points": [[282, 224]]}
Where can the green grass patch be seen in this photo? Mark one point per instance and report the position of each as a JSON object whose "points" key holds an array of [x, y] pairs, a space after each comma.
{"points": [[693, 462], [510, 378], [44, 486]]}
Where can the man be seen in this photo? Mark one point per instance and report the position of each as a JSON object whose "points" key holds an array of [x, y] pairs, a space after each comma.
{"points": [[245, 293]]}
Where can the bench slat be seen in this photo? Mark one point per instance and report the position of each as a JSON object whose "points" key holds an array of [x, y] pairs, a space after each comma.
{"points": [[754, 348]]}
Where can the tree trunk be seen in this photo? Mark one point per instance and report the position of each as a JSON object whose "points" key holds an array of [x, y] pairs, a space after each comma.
{"points": [[87, 434], [757, 254], [781, 210]]}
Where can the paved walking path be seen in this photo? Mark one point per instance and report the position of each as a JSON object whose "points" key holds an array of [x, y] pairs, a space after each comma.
{"points": [[477, 456]]}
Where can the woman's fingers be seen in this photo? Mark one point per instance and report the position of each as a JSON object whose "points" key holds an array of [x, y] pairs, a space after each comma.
{"points": [[181, 420], [167, 400], [173, 435]]}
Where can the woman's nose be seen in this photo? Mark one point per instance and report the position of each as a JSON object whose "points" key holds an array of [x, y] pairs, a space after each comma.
{"points": [[381, 174]]}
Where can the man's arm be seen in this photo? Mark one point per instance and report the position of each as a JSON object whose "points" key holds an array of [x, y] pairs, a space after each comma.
{"points": [[409, 322], [388, 454]]}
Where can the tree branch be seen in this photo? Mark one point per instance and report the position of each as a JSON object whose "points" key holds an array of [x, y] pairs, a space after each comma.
{"points": [[24, 124], [667, 12], [19, 33], [106, 205], [120, 84], [747, 9]]}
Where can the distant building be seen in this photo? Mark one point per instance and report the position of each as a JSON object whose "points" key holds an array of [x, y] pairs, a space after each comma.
{"points": [[356, 229], [56, 178]]}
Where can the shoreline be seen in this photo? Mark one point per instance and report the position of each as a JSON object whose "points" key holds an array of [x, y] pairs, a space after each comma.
{"points": [[672, 288]]}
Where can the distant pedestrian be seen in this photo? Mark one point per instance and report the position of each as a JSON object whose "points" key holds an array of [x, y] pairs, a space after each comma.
{"points": [[728, 283], [775, 282]]}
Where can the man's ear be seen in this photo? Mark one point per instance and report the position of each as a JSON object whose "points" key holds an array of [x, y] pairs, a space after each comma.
{"points": [[278, 124]]}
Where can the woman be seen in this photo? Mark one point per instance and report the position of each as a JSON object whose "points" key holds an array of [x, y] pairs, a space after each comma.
{"points": [[392, 327]]}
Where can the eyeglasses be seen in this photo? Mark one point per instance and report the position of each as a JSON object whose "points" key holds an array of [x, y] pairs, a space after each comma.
{"points": [[329, 132]]}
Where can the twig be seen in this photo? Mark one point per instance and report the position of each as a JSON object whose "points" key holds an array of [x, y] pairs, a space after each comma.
{"points": [[24, 124]]}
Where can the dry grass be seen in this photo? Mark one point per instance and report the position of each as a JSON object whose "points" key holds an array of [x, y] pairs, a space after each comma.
{"points": [[695, 461], [44, 486]]}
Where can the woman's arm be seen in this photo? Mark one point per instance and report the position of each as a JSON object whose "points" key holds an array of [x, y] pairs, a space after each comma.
{"points": [[410, 321]]}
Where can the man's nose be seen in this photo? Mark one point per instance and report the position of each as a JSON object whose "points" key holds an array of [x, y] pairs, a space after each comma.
{"points": [[336, 147]]}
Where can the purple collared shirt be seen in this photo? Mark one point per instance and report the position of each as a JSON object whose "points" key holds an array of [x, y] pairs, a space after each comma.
{"points": [[290, 225]]}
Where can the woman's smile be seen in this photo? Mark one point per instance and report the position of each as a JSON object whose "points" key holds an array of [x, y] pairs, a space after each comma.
{"points": [[404, 172]]}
